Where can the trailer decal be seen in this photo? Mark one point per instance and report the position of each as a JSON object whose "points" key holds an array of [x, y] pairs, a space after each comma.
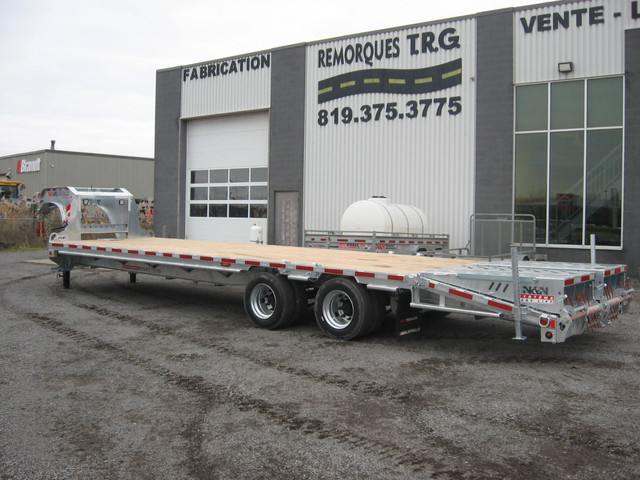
{"points": [[528, 298]]}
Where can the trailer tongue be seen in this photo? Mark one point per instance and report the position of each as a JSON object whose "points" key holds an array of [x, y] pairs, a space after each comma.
{"points": [[351, 290]]}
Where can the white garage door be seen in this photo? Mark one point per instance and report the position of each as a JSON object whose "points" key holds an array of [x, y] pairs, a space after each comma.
{"points": [[227, 160]]}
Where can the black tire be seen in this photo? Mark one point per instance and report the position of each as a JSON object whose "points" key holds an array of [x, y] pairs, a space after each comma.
{"points": [[343, 309], [269, 301]]}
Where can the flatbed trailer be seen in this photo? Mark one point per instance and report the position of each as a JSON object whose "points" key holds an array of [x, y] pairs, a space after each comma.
{"points": [[351, 291]]}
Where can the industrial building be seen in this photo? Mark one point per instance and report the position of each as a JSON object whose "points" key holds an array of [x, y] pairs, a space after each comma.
{"points": [[54, 168], [526, 110]]}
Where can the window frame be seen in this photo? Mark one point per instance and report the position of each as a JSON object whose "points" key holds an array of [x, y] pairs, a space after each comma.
{"points": [[231, 184], [585, 129]]}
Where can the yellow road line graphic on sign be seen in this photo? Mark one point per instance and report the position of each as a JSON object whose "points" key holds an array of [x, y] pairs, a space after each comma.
{"points": [[389, 80], [452, 74]]}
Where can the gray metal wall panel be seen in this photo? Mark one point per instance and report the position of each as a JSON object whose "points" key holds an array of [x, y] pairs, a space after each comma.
{"points": [[170, 163], [494, 121], [631, 252], [286, 139]]}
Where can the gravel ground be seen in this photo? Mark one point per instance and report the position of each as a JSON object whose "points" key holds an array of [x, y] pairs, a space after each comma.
{"points": [[167, 379]]}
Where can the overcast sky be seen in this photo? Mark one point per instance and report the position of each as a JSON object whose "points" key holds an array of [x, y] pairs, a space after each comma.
{"points": [[82, 72]]}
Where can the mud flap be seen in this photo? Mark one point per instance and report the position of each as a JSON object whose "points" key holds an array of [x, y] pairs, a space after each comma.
{"points": [[407, 319]]}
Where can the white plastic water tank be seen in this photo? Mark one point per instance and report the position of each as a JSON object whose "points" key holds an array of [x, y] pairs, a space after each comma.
{"points": [[379, 214]]}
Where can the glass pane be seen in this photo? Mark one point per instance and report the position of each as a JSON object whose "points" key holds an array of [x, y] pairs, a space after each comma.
{"points": [[259, 174], [218, 193], [198, 210], [259, 192], [218, 210], [604, 186], [531, 179], [604, 102], [199, 176], [238, 211], [198, 193], [565, 187], [220, 176], [238, 193], [238, 175], [567, 105], [259, 210], [531, 107]]}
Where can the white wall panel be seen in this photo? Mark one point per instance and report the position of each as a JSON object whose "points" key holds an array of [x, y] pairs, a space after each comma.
{"points": [[591, 39], [424, 161], [225, 86]]}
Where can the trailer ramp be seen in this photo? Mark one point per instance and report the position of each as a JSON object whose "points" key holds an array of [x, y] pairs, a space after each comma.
{"points": [[562, 299]]}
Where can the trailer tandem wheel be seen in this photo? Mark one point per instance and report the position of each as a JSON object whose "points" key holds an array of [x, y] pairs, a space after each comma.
{"points": [[270, 301], [344, 309]]}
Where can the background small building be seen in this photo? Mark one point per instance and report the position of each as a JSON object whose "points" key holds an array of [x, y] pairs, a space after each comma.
{"points": [[53, 168]]}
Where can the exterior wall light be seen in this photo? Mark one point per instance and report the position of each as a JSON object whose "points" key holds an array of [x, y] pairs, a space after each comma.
{"points": [[565, 67]]}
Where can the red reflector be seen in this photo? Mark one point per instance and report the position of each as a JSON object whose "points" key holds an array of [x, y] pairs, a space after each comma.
{"points": [[549, 335], [397, 278], [305, 268], [334, 271], [365, 274], [458, 293]]}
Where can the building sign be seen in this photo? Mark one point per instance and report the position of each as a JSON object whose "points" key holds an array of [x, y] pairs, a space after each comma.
{"points": [[579, 17], [587, 34], [226, 86], [227, 67], [26, 166], [392, 113], [415, 66]]}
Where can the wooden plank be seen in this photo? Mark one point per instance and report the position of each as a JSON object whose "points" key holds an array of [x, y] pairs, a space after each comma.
{"points": [[335, 259]]}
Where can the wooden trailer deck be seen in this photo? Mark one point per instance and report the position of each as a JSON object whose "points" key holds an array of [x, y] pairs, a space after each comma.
{"points": [[338, 259]]}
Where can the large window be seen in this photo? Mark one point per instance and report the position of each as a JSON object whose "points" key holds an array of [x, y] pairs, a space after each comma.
{"points": [[568, 160], [228, 193]]}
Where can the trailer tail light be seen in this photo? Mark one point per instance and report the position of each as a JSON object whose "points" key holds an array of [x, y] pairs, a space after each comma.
{"points": [[547, 322], [549, 335]]}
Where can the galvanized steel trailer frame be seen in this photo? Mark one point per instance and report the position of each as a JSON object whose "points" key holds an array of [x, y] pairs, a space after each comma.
{"points": [[561, 299]]}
